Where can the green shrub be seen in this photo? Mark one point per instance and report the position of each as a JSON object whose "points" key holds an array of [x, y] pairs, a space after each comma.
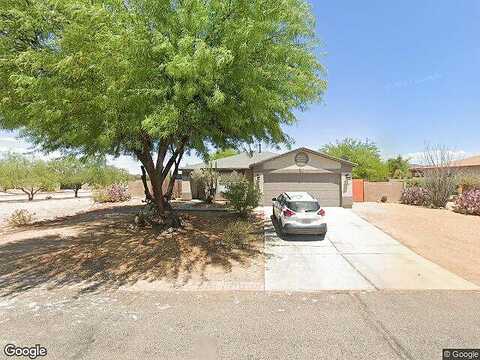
{"points": [[112, 193], [237, 234], [241, 193], [20, 217]]}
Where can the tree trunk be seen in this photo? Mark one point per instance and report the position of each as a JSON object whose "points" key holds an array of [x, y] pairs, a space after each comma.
{"points": [[76, 191], [156, 182], [30, 194], [157, 172], [148, 196], [171, 184]]}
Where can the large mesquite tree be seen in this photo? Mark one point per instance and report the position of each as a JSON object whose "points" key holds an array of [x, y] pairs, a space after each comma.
{"points": [[155, 78]]}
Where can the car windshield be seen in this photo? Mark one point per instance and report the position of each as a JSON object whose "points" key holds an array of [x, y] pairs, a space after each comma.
{"points": [[306, 206]]}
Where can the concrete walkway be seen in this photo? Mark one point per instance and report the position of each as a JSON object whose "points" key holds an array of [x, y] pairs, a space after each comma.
{"points": [[354, 255]]}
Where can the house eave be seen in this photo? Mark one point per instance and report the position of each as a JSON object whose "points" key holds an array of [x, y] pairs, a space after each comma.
{"points": [[318, 153]]}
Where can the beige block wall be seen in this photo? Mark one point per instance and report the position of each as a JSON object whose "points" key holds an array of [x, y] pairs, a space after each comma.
{"points": [[470, 171], [374, 191], [135, 188]]}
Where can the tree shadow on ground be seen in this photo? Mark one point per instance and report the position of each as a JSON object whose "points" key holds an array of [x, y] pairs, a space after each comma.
{"points": [[107, 251]]}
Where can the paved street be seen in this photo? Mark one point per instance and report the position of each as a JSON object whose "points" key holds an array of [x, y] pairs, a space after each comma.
{"points": [[354, 255], [242, 325]]}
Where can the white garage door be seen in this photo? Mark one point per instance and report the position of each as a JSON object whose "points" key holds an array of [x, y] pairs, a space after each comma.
{"points": [[324, 187]]}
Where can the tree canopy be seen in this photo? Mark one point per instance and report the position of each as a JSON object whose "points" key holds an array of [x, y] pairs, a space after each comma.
{"points": [[220, 154], [26, 174], [364, 153], [399, 168], [72, 173], [154, 78]]}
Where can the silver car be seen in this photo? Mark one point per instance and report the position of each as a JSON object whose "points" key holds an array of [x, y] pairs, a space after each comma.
{"points": [[299, 213]]}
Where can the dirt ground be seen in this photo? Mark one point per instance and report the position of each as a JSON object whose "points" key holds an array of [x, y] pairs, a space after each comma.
{"points": [[62, 203], [103, 249], [449, 239]]}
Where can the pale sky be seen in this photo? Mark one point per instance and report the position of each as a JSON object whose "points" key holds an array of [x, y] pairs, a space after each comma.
{"points": [[402, 74]]}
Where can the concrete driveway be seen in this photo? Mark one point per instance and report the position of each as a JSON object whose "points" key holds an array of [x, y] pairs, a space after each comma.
{"points": [[354, 255]]}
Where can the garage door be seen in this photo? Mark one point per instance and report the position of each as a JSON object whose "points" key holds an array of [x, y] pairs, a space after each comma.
{"points": [[324, 187]]}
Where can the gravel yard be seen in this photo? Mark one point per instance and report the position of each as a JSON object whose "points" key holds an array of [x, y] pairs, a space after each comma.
{"points": [[62, 203], [449, 239]]}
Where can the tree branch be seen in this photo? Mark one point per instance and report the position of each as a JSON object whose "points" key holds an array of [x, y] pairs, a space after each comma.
{"points": [[162, 152], [174, 156]]}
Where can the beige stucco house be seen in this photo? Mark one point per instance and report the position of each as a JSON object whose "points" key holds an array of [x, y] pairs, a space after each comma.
{"points": [[327, 178], [468, 166]]}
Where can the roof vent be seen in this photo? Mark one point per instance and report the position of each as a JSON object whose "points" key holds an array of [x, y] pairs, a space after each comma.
{"points": [[301, 159]]}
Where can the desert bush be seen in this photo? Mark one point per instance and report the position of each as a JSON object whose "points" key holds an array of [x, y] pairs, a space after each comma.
{"points": [[468, 202], [112, 193], [415, 195], [468, 182], [20, 217], [237, 234], [208, 178], [439, 189], [414, 182], [439, 176], [241, 193], [384, 199]]}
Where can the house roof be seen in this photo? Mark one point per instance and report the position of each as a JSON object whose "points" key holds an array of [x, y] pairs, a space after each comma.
{"points": [[470, 161], [245, 161], [309, 151], [239, 161]]}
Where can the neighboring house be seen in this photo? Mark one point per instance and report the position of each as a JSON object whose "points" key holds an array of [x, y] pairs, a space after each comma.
{"points": [[468, 166], [327, 178]]}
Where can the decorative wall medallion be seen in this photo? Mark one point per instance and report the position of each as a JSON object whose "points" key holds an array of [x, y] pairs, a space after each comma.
{"points": [[301, 159]]}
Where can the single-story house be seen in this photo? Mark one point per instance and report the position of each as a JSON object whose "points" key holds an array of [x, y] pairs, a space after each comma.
{"points": [[327, 178], [467, 166]]}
